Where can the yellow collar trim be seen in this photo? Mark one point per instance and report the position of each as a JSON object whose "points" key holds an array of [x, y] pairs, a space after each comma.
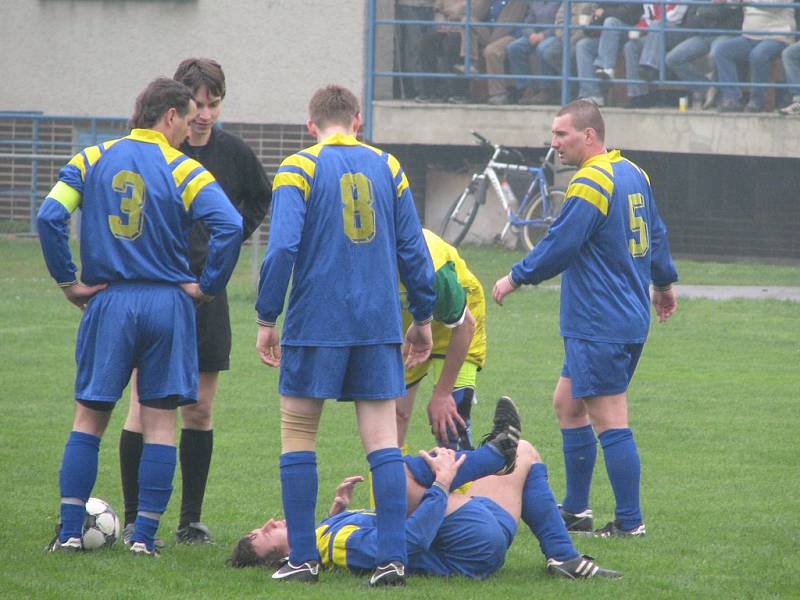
{"points": [[150, 136], [340, 139], [610, 156]]}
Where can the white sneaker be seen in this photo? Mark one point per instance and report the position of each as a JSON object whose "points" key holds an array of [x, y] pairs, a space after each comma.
{"points": [[141, 549]]}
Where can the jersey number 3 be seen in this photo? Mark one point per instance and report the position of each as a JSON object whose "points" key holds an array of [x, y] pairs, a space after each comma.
{"points": [[358, 215], [638, 225], [131, 186]]}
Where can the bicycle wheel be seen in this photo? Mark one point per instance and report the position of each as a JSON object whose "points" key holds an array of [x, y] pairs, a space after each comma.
{"points": [[462, 213], [530, 235]]}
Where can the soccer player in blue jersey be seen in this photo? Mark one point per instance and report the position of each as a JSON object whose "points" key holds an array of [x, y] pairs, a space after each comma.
{"points": [[343, 226], [446, 533], [139, 197], [609, 243]]}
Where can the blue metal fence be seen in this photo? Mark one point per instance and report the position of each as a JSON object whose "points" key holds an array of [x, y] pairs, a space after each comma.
{"points": [[566, 77]]}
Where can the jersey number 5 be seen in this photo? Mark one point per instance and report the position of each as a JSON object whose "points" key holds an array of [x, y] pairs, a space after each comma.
{"points": [[638, 226], [131, 186], [357, 212]]}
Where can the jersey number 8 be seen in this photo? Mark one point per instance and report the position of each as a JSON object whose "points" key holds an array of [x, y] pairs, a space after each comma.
{"points": [[358, 215]]}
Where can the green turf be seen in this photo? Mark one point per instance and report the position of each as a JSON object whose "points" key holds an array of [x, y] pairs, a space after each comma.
{"points": [[713, 405]]}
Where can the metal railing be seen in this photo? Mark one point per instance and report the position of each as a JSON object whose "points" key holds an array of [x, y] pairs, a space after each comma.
{"points": [[566, 77]]}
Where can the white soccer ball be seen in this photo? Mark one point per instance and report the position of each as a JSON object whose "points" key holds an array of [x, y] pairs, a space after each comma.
{"points": [[101, 527]]}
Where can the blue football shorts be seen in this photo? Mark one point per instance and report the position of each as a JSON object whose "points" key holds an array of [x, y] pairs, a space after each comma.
{"points": [[475, 538], [373, 372], [599, 368], [150, 326]]}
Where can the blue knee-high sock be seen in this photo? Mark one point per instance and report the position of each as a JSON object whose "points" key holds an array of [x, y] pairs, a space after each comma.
{"points": [[580, 454], [76, 480], [484, 461], [156, 470], [540, 513], [299, 493], [624, 470], [389, 485]]}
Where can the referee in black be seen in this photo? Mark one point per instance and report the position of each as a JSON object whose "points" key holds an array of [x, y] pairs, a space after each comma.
{"points": [[237, 169]]}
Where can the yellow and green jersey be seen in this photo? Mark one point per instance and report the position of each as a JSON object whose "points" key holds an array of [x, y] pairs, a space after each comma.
{"points": [[456, 289]]}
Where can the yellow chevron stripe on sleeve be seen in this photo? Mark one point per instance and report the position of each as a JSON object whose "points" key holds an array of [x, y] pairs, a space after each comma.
{"points": [[402, 186], [394, 165], [195, 185], [323, 539], [66, 196], [109, 143], [92, 154], [590, 195], [78, 162], [307, 165], [340, 545], [598, 177], [181, 172], [293, 180]]}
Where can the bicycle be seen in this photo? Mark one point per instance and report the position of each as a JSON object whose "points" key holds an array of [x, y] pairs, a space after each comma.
{"points": [[529, 217]]}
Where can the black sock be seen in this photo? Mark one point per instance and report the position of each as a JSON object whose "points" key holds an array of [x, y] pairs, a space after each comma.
{"points": [[130, 453], [196, 448]]}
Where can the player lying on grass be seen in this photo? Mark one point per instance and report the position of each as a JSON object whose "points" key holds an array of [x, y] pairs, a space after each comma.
{"points": [[447, 534]]}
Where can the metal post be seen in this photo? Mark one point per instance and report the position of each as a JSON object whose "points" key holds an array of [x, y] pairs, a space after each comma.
{"points": [[370, 83], [34, 173], [565, 51]]}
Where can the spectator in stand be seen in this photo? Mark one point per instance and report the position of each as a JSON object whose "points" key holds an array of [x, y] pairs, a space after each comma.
{"points": [[596, 55], [643, 50], [682, 59], [439, 52], [791, 64], [408, 40], [547, 47], [754, 49], [491, 42]]}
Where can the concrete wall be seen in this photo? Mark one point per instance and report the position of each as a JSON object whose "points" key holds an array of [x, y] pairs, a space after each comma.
{"points": [[653, 130], [92, 57]]}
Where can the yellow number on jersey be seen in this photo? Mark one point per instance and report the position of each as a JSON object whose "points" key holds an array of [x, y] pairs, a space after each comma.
{"points": [[357, 212], [639, 227], [131, 186]]}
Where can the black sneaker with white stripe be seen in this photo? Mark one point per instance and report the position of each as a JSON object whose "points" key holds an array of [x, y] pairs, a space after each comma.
{"points": [[307, 572], [613, 529], [580, 523], [504, 436], [392, 573], [580, 567]]}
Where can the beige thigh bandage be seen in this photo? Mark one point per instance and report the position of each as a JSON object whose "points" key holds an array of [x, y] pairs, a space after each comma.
{"points": [[298, 431]]}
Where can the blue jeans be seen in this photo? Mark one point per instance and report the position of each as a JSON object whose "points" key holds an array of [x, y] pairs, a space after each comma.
{"points": [[682, 59], [728, 54], [407, 46], [585, 53], [791, 64], [644, 51], [548, 51]]}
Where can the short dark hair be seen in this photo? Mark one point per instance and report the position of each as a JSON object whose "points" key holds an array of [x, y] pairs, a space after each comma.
{"points": [[244, 555], [156, 99], [333, 104], [198, 72], [585, 113]]}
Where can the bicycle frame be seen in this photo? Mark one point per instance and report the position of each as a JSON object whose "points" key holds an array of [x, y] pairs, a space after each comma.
{"points": [[538, 184]]}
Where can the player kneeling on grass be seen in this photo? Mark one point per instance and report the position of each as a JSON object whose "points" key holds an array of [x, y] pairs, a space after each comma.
{"points": [[446, 534]]}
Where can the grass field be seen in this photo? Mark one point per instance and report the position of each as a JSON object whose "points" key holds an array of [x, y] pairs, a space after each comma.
{"points": [[713, 404]]}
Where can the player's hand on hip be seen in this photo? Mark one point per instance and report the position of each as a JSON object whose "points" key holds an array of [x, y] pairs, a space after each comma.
{"points": [[502, 288], [268, 345], [194, 291], [443, 417], [418, 345], [79, 294], [665, 302]]}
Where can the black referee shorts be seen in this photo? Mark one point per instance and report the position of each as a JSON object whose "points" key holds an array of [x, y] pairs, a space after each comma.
{"points": [[214, 334]]}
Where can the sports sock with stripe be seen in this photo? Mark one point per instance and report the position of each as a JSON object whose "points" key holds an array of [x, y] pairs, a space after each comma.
{"points": [[76, 480]]}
